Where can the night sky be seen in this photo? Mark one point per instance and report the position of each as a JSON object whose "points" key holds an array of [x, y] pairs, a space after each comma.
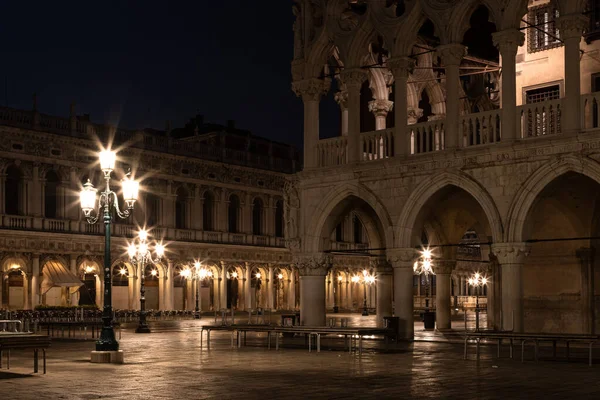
{"points": [[137, 64]]}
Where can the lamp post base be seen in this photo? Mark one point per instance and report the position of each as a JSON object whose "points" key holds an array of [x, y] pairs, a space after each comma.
{"points": [[197, 315], [107, 357], [365, 313], [142, 329]]}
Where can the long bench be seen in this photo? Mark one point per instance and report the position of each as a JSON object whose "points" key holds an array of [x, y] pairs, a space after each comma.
{"points": [[535, 338], [9, 342], [53, 327]]}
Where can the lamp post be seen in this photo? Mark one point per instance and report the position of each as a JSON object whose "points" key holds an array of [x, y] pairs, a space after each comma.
{"points": [[424, 266], [366, 279], [107, 204], [196, 273], [477, 281], [140, 254]]}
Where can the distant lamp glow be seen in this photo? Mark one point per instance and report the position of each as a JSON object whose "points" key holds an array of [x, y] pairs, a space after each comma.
{"points": [[280, 276], [159, 249], [89, 269], [185, 273], [355, 278], [340, 278], [154, 272], [108, 159], [209, 274], [123, 271], [234, 275], [203, 273], [143, 234], [258, 275], [15, 266], [87, 198], [197, 265]]}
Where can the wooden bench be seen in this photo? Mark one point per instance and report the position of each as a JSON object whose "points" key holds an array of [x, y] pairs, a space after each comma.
{"points": [[9, 342], [61, 326], [536, 338]]}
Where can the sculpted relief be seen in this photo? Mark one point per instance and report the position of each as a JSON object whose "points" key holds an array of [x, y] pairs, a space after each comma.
{"points": [[291, 212]]}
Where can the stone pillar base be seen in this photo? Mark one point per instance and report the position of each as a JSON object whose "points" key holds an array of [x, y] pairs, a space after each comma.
{"points": [[107, 357]]}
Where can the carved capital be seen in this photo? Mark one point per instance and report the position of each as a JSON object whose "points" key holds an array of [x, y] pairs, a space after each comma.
{"points": [[441, 267], [311, 89], [451, 54], [511, 253], [402, 257], [508, 41], [341, 98], [413, 115], [381, 266], [313, 264], [381, 107], [571, 26], [401, 66], [354, 78]]}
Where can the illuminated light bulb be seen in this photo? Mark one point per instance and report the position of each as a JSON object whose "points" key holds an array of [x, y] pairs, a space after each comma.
{"points": [[340, 278], [143, 249], [202, 274], [280, 276], [123, 271], [154, 272], [131, 250], [258, 275], [355, 278], [160, 250], [197, 265], [209, 274], [476, 275], [185, 273], [426, 253], [484, 281], [143, 235], [108, 159]]}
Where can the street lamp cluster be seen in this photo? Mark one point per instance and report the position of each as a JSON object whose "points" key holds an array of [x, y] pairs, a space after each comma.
{"points": [[198, 273], [477, 281], [424, 266], [365, 279], [140, 254], [107, 205]]}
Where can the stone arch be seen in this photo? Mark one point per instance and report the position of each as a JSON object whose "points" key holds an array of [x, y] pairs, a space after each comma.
{"points": [[423, 192], [407, 35], [534, 185], [459, 20], [126, 263], [13, 262], [333, 199]]}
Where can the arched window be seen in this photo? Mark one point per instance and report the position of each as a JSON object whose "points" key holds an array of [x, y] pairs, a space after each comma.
{"points": [[50, 195], [152, 207], [233, 213], [12, 191], [181, 209], [257, 214], [207, 211], [358, 230], [279, 218]]}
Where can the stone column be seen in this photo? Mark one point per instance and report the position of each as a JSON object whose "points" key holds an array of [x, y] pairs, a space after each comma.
{"points": [[99, 287], [170, 296], [73, 267], [402, 261], [313, 269], [571, 28], [197, 215], [508, 41], [292, 290], [189, 295], [311, 91], [26, 295], [341, 98], [384, 280], [35, 280], [400, 68], [380, 108], [586, 258], [135, 285], [37, 197], [443, 272], [270, 288], [247, 287], [353, 79], [511, 257], [452, 55], [223, 286]]}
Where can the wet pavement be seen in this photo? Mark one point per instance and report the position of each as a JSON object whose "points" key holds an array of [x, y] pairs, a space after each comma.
{"points": [[169, 364]]}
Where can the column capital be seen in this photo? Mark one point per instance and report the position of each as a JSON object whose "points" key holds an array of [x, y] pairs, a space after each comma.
{"points": [[353, 78], [511, 253], [413, 115], [443, 267], [381, 266], [381, 107], [402, 257], [401, 66], [311, 89], [508, 40], [571, 26], [452, 53], [313, 264], [341, 98]]}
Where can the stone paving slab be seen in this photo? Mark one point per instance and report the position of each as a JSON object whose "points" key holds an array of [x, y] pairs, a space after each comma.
{"points": [[169, 364]]}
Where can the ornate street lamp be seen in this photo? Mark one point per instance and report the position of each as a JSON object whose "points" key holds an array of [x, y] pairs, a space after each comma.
{"points": [[366, 279], [198, 274], [478, 282], [424, 266], [140, 254], [107, 204]]}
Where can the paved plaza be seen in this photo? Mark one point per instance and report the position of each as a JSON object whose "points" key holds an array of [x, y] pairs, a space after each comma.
{"points": [[169, 364]]}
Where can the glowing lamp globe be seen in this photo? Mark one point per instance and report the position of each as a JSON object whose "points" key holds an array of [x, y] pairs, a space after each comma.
{"points": [[143, 235], [108, 159], [160, 250], [131, 189], [87, 198]]}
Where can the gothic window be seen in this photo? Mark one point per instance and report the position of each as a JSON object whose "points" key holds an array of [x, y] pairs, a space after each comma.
{"points": [[120, 275], [279, 219], [338, 233], [181, 209], [257, 215], [152, 207], [593, 12], [233, 213], [358, 230], [207, 211], [50, 195], [542, 32], [12, 191]]}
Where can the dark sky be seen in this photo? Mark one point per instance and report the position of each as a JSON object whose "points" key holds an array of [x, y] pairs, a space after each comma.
{"points": [[139, 63]]}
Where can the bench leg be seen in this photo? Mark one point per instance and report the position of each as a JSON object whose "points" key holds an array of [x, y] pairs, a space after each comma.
{"points": [[477, 347], [35, 361], [591, 347], [522, 350], [44, 358], [360, 344], [498, 351], [1, 354], [208, 339], [309, 342], [201, 334], [318, 342], [8, 359], [511, 348], [465, 351]]}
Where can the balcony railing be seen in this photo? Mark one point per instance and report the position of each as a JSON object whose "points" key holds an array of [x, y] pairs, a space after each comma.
{"points": [[480, 128], [540, 119], [332, 151], [377, 145], [426, 137], [16, 222]]}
